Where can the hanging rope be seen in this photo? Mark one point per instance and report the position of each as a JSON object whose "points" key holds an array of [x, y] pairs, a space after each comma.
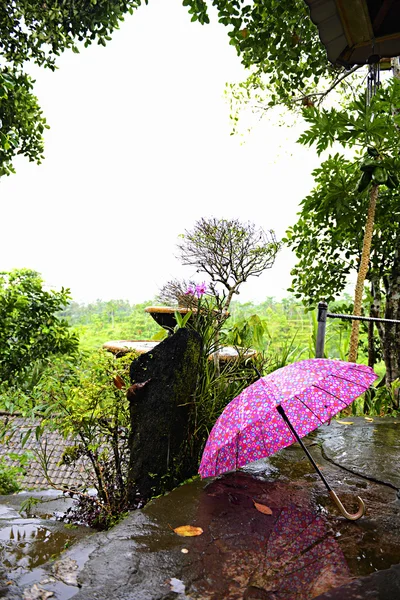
{"points": [[373, 79]]}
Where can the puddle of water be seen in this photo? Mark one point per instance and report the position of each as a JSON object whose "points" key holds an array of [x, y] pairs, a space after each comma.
{"points": [[373, 555], [61, 590], [29, 544], [26, 544]]}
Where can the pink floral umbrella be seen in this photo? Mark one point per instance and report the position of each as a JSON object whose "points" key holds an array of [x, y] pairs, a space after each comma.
{"points": [[279, 409]]}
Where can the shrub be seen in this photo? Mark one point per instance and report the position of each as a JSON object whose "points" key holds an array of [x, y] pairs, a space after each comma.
{"points": [[85, 401], [9, 476]]}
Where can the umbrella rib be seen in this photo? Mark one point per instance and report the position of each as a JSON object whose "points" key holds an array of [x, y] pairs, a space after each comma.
{"points": [[310, 409], [330, 393], [345, 379]]}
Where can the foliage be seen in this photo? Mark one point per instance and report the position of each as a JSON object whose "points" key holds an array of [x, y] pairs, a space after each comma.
{"points": [[102, 321], [327, 238], [248, 332], [86, 403], [362, 125], [21, 120], [40, 32], [378, 400], [219, 380], [282, 51], [9, 478], [30, 329], [278, 40], [229, 252], [10, 474], [268, 326]]}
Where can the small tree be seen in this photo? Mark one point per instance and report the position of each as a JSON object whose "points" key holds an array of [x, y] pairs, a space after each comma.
{"points": [[229, 252], [30, 329]]}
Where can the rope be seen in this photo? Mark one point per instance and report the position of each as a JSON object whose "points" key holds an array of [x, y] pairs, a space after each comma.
{"points": [[354, 318]]}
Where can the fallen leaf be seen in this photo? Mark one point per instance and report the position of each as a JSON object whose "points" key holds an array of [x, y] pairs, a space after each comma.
{"points": [[345, 422], [188, 530], [262, 508], [369, 419], [119, 382]]}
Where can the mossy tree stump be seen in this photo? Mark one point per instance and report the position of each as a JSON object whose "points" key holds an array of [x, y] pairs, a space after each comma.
{"points": [[163, 383]]}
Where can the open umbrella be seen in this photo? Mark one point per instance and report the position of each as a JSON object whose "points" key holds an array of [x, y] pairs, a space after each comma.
{"points": [[279, 409]]}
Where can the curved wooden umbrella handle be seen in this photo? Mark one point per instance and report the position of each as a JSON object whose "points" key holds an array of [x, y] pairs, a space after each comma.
{"points": [[350, 517]]}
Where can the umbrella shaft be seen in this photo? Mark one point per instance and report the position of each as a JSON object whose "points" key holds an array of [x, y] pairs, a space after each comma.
{"points": [[284, 416]]}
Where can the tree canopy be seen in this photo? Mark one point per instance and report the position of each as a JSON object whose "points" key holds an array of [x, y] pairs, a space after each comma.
{"points": [[40, 32], [280, 46]]}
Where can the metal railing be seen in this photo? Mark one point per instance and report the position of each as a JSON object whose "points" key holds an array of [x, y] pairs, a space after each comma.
{"points": [[322, 317]]}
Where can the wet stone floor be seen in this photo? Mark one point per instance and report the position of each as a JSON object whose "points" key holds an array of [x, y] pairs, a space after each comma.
{"points": [[270, 532]]}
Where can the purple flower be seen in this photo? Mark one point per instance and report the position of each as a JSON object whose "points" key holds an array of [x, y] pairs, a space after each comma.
{"points": [[190, 291], [201, 289]]}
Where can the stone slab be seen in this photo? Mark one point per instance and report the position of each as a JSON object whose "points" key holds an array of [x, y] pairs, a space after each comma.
{"points": [[236, 555]]}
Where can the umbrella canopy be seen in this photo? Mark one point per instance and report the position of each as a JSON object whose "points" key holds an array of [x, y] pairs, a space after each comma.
{"points": [[251, 427]]}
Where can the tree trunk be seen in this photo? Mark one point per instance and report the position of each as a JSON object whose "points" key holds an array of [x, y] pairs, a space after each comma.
{"points": [[371, 343], [390, 345], [396, 67], [375, 308], [362, 272]]}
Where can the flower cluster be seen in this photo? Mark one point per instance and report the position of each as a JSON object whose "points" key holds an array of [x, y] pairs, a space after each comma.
{"points": [[199, 290]]}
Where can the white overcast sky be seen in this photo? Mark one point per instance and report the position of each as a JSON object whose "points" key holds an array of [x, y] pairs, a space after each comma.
{"points": [[139, 148]]}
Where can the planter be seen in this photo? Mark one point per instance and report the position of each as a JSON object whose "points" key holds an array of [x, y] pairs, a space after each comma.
{"points": [[165, 315]]}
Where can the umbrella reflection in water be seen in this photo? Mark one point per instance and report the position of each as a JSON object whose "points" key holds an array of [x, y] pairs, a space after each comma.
{"points": [[302, 559]]}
